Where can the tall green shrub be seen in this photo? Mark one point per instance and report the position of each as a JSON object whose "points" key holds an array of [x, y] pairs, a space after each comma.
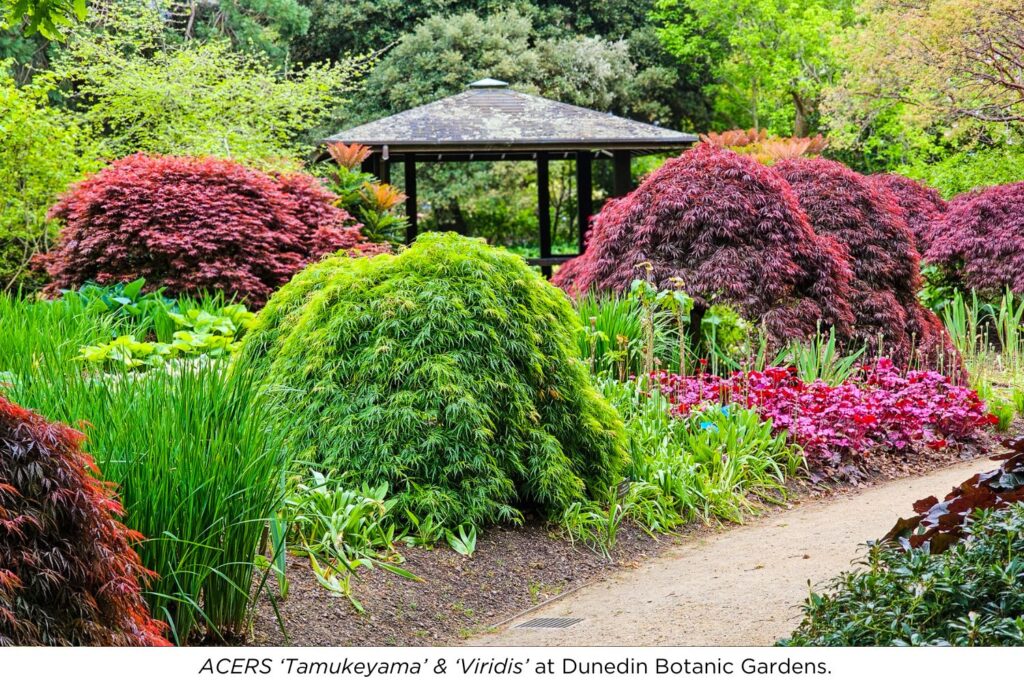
{"points": [[41, 153], [449, 371]]}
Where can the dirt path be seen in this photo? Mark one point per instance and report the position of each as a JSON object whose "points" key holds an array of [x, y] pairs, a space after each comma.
{"points": [[740, 587]]}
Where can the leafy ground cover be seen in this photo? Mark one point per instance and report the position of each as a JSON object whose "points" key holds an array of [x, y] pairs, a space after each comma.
{"points": [[880, 407], [938, 525], [971, 594]]}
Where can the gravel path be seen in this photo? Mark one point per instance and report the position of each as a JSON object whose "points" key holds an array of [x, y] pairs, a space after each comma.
{"points": [[739, 587]]}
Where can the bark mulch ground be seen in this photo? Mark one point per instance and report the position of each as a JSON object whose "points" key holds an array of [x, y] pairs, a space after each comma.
{"points": [[511, 571]]}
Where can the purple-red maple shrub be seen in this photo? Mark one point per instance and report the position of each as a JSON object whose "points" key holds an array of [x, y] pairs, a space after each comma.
{"points": [[68, 573], [866, 220], [940, 525], [979, 243], [922, 206], [192, 224], [731, 231]]}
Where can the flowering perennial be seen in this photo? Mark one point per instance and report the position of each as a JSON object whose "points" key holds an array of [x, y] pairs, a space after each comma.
{"points": [[880, 408]]}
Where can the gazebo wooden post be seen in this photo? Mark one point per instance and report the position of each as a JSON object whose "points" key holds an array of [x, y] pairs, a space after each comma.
{"points": [[410, 197], [492, 122], [584, 194], [544, 211], [622, 182]]}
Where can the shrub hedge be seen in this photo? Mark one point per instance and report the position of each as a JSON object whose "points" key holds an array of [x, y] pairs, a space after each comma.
{"points": [[450, 371]]}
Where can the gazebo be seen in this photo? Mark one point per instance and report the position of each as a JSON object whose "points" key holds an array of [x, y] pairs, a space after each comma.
{"points": [[489, 121]]}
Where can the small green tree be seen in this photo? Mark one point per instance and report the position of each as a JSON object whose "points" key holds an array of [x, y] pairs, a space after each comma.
{"points": [[771, 58], [46, 17], [449, 371], [141, 94], [43, 151]]}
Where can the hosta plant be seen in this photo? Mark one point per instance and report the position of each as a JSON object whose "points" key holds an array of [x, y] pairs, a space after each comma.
{"points": [[449, 371], [69, 573]]}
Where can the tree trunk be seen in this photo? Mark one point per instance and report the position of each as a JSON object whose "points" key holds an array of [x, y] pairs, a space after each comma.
{"points": [[800, 123]]}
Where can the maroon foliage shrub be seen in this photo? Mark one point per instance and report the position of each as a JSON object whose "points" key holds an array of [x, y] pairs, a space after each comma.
{"points": [[330, 228], [940, 525], [194, 224], [922, 206], [865, 218], [979, 243], [732, 231], [68, 573]]}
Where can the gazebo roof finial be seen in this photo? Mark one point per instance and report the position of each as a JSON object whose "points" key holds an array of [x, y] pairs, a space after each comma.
{"points": [[488, 83]]}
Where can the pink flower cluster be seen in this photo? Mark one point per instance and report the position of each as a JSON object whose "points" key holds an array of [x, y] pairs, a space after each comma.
{"points": [[878, 407]]}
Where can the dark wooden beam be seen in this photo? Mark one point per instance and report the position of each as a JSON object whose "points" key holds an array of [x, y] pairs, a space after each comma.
{"points": [[622, 183], [410, 197], [385, 171], [549, 261], [544, 209], [584, 194]]}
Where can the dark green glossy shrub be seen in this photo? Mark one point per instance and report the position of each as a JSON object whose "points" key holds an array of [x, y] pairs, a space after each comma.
{"points": [[450, 371], [972, 594]]}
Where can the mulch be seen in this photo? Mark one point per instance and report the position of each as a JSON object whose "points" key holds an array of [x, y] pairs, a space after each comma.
{"points": [[512, 570]]}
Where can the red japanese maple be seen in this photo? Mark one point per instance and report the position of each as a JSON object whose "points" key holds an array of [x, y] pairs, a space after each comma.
{"points": [[866, 219], [979, 243], [68, 573], [922, 206], [730, 230], [194, 224]]}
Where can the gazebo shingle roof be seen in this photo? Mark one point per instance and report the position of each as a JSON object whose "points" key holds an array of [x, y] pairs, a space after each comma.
{"points": [[491, 117]]}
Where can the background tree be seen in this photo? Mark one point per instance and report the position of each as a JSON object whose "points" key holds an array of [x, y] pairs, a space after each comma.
{"points": [[929, 80], [770, 59], [43, 150], [137, 92], [46, 17], [267, 26]]}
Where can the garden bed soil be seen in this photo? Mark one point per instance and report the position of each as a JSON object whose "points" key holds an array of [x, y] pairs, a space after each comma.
{"points": [[513, 570]]}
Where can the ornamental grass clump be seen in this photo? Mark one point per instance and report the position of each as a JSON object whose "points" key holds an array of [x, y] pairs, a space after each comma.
{"points": [[69, 574], [193, 225], [449, 371], [866, 220], [730, 231]]}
